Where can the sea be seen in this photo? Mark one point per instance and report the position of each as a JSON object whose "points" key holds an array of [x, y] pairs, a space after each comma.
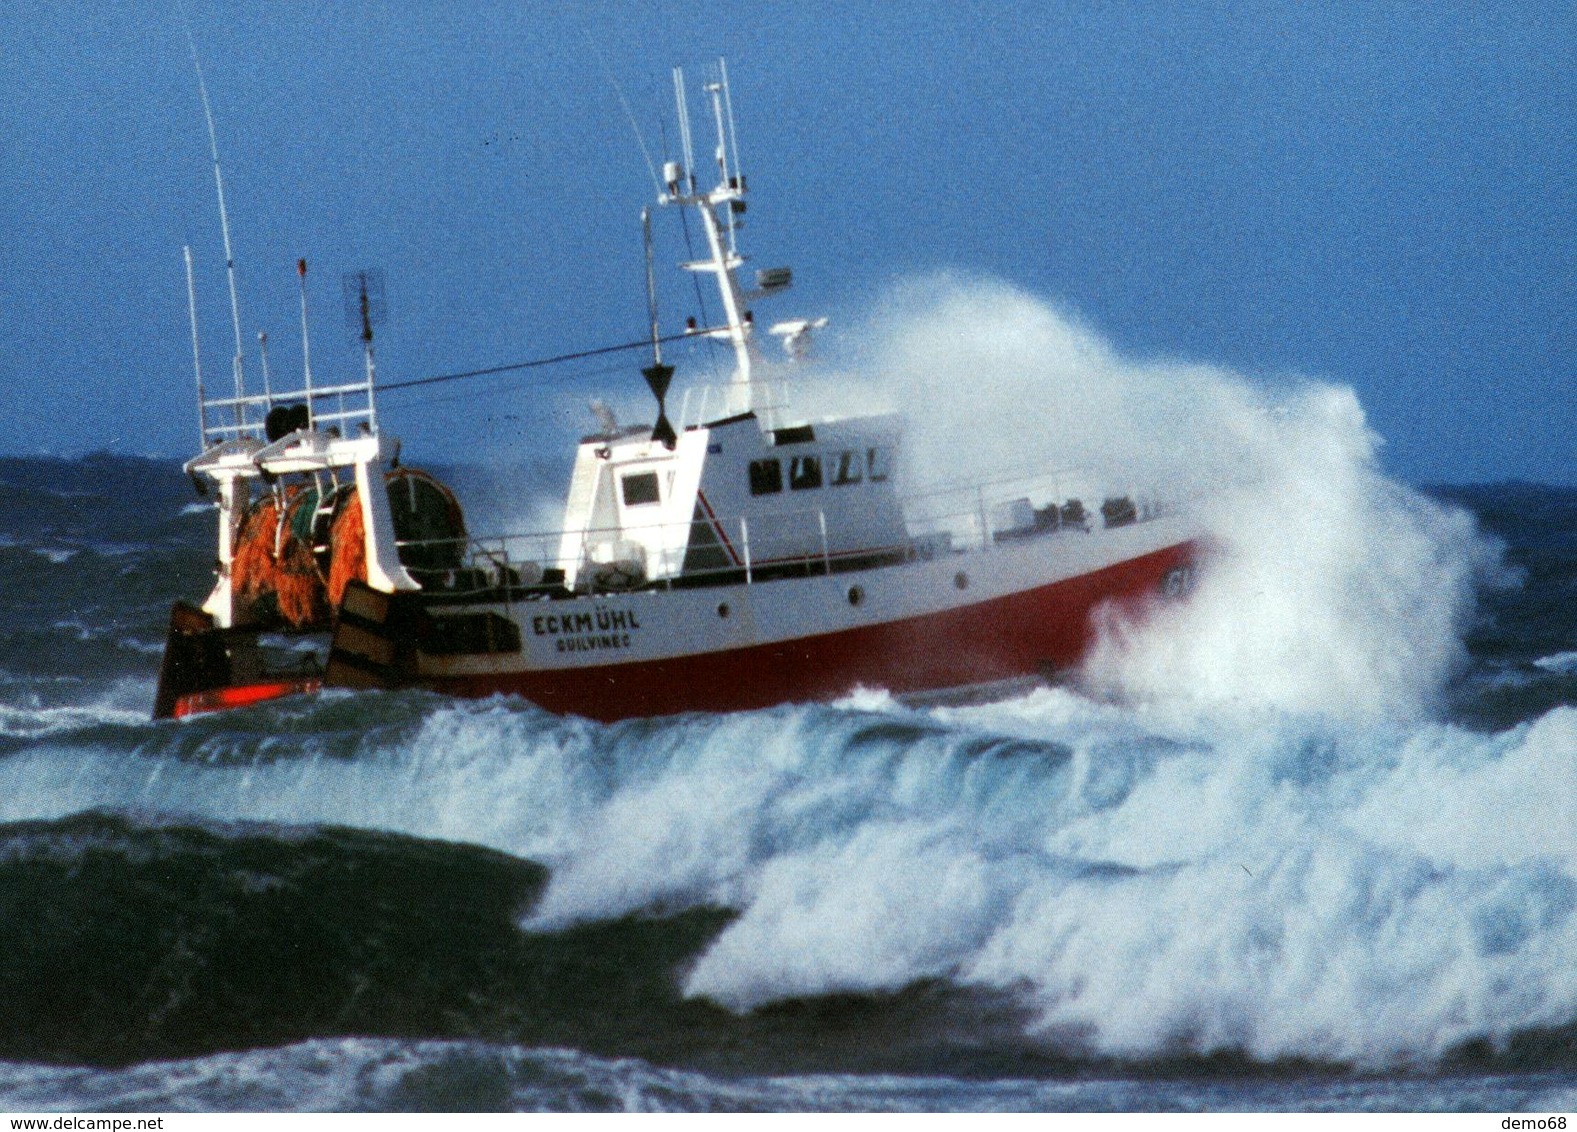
{"points": [[1160, 896]]}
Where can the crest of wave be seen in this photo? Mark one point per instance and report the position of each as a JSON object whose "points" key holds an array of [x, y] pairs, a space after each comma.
{"points": [[1324, 586]]}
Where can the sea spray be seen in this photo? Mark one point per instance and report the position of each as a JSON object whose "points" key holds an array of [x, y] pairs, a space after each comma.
{"points": [[1324, 586]]}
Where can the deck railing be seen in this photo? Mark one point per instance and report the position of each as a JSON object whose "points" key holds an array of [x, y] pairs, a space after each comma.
{"points": [[715, 401], [948, 519], [344, 407]]}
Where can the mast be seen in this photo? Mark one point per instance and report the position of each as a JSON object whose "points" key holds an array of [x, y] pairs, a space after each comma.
{"points": [[724, 258]]}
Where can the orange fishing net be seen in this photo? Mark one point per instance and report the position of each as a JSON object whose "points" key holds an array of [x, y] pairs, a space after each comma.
{"points": [[347, 545], [274, 574], [278, 575]]}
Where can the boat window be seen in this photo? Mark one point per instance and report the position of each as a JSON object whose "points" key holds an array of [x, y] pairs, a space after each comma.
{"points": [[639, 488], [766, 477], [805, 473], [877, 462], [846, 468], [799, 434]]}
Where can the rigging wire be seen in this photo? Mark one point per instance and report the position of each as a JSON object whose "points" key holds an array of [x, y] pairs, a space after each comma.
{"points": [[421, 402], [535, 363]]}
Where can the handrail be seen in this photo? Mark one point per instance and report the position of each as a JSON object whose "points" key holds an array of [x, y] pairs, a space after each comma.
{"points": [[932, 527], [732, 400], [333, 398], [314, 394]]}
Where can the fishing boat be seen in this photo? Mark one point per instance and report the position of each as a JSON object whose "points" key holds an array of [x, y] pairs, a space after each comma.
{"points": [[742, 558]]}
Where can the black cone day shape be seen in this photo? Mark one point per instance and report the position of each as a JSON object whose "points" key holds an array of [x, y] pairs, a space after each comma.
{"points": [[657, 377]]}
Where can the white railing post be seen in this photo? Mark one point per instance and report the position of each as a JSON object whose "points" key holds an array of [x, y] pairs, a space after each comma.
{"points": [[826, 556], [985, 526], [673, 555], [744, 541]]}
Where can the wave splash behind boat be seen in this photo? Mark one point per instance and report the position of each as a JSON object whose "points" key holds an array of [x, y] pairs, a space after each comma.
{"points": [[1326, 586]]}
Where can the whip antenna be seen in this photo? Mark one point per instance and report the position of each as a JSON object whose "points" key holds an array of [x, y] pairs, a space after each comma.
{"points": [[224, 222], [306, 343], [268, 387], [635, 128], [728, 107], [197, 354]]}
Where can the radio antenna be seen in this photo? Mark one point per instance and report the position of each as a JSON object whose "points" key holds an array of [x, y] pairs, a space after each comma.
{"points": [[306, 342], [268, 387], [365, 307], [635, 127], [684, 127], [224, 223], [728, 108], [197, 354]]}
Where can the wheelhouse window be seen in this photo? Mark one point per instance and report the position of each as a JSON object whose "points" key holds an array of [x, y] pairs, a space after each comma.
{"points": [[877, 464], [766, 477], [847, 468], [639, 488], [805, 473]]}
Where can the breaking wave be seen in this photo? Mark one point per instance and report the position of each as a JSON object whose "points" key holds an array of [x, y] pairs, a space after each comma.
{"points": [[1325, 586], [1136, 888]]}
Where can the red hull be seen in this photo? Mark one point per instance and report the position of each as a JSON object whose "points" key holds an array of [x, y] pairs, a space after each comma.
{"points": [[241, 695], [1031, 633]]}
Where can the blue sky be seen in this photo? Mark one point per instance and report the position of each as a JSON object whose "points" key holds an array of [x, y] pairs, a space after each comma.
{"points": [[1376, 195]]}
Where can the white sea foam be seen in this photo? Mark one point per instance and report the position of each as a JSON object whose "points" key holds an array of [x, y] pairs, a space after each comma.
{"points": [[383, 1074], [1291, 887], [1325, 587], [55, 555], [1290, 891], [38, 708]]}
